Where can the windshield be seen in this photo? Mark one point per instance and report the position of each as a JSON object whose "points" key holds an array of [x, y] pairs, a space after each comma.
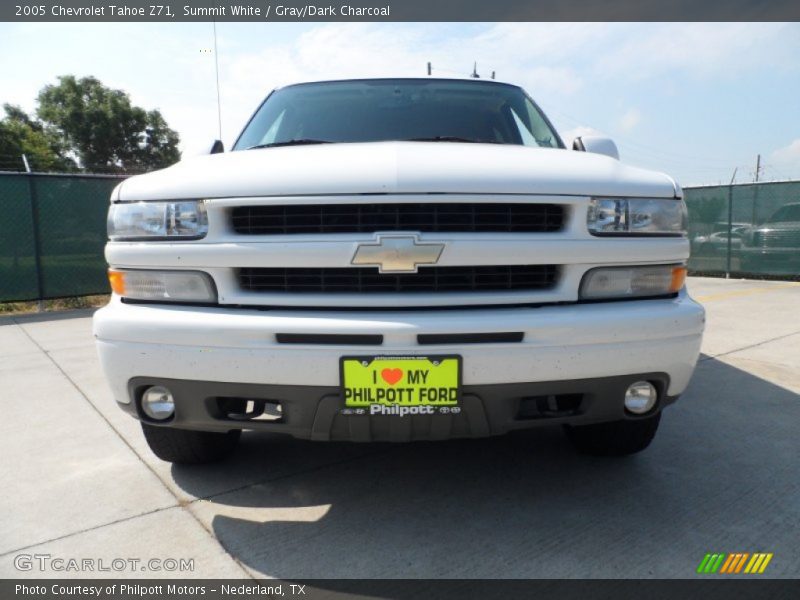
{"points": [[786, 214], [433, 110]]}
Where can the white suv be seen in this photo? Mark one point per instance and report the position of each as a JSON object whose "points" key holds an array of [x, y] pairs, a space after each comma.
{"points": [[398, 260]]}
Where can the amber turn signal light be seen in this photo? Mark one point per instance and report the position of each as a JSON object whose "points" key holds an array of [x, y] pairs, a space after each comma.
{"points": [[117, 281], [678, 279]]}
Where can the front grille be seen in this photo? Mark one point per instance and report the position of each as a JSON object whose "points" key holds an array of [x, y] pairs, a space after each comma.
{"points": [[777, 238], [358, 280], [369, 218]]}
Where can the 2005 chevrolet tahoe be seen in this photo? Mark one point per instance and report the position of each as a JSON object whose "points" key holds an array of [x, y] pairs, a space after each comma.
{"points": [[398, 260]]}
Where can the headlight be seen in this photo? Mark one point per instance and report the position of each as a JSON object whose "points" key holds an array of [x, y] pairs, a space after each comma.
{"points": [[607, 283], [166, 220], [163, 286], [635, 216]]}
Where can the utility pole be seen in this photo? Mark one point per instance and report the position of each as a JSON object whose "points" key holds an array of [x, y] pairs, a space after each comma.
{"points": [[216, 73], [729, 249], [37, 242], [755, 189]]}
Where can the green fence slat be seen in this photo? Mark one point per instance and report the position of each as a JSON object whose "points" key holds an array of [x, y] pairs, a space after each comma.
{"points": [[72, 234], [760, 238], [72, 218], [742, 229], [17, 262]]}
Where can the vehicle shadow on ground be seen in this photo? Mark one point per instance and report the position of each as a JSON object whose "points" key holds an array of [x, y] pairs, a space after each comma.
{"points": [[526, 505]]}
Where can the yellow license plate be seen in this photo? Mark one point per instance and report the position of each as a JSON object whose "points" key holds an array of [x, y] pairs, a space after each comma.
{"points": [[373, 382]]}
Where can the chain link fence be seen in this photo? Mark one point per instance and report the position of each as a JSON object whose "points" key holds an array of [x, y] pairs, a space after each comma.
{"points": [[745, 229], [52, 234], [53, 230]]}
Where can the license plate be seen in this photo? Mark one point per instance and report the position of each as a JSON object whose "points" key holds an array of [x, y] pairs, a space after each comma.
{"points": [[401, 385]]}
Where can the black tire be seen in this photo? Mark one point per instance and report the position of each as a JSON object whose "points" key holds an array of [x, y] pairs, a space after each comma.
{"points": [[616, 438], [185, 447]]}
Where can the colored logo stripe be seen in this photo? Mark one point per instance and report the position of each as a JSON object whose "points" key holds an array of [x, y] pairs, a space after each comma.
{"points": [[758, 563], [711, 563], [701, 568], [734, 563]]}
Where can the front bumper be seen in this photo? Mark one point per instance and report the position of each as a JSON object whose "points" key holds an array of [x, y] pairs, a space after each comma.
{"points": [[592, 350], [315, 413]]}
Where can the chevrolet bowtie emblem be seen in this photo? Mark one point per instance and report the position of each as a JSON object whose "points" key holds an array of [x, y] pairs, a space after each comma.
{"points": [[397, 253]]}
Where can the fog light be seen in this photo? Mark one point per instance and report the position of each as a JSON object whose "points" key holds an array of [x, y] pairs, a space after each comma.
{"points": [[157, 403], [640, 397]]}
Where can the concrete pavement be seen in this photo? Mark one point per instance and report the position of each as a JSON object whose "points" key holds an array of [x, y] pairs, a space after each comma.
{"points": [[722, 476]]}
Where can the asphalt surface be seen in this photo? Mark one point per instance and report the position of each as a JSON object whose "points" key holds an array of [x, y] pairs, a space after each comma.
{"points": [[722, 476]]}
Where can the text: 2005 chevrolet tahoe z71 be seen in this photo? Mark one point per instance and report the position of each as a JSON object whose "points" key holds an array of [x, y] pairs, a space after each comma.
{"points": [[397, 260]]}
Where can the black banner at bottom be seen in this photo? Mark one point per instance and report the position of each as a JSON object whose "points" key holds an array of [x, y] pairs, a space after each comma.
{"points": [[429, 589]]}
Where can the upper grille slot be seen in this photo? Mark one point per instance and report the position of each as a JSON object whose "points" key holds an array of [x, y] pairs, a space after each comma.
{"points": [[368, 218], [367, 280]]}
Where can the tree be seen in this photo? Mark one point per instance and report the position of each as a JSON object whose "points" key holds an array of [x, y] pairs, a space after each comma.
{"points": [[104, 130], [43, 147]]}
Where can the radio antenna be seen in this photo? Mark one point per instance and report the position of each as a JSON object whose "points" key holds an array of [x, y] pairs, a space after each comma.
{"points": [[216, 72]]}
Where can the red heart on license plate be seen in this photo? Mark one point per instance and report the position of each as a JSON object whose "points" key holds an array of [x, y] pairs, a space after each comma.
{"points": [[392, 376]]}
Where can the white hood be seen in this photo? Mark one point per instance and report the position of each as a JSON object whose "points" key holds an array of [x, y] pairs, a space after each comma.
{"points": [[397, 167]]}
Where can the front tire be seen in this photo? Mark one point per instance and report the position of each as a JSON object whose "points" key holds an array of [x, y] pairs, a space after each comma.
{"points": [[186, 447], [617, 438]]}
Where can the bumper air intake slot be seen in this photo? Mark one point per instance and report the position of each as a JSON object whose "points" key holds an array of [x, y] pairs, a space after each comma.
{"points": [[503, 337], [549, 407], [329, 339], [249, 409]]}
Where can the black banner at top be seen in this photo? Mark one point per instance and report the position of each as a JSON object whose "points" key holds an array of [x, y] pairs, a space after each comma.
{"points": [[398, 10]]}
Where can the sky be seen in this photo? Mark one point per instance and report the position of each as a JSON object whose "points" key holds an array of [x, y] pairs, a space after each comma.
{"points": [[695, 100]]}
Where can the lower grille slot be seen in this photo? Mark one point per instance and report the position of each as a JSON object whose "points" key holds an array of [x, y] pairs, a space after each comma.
{"points": [[368, 280], [334, 339], [510, 337]]}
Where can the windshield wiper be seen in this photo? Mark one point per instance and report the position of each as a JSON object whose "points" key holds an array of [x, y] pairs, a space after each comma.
{"points": [[451, 138], [298, 142]]}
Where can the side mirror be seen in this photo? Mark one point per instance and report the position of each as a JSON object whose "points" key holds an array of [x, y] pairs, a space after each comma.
{"points": [[596, 144], [216, 147]]}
